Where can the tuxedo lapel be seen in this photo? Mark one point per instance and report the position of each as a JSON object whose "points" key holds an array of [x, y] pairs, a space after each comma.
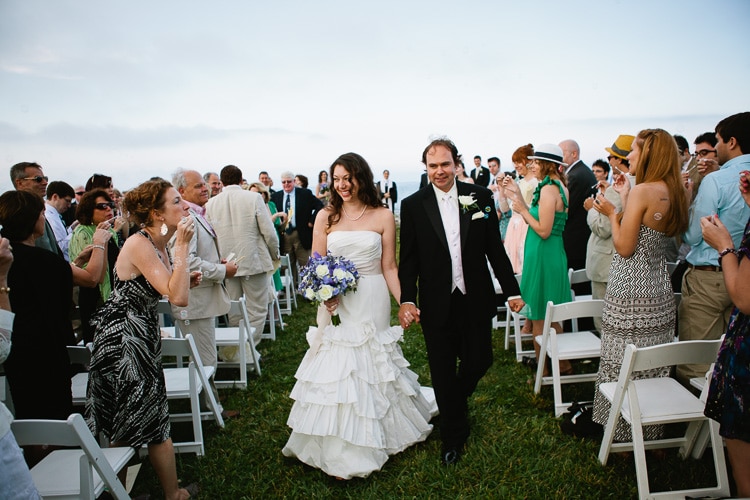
{"points": [[433, 214]]}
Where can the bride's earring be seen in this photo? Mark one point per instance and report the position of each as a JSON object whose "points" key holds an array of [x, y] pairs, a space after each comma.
{"points": [[164, 229]]}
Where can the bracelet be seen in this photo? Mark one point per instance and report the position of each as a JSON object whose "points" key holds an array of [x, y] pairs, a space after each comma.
{"points": [[100, 247], [4, 289], [727, 251]]}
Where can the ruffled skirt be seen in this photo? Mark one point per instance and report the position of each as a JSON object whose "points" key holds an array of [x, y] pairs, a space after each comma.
{"points": [[356, 400]]}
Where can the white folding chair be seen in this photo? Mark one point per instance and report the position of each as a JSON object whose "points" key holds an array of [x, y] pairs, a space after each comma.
{"points": [[72, 473], [566, 346], [79, 354], [188, 383], [273, 316], [238, 336], [657, 401], [290, 291], [576, 277], [164, 310]]}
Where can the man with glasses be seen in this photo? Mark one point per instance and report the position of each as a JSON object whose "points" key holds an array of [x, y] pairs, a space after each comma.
{"points": [[28, 176], [301, 206], [705, 154], [705, 306], [59, 198], [601, 169]]}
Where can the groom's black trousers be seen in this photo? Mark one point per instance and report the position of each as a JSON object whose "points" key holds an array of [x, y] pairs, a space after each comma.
{"points": [[460, 353]]}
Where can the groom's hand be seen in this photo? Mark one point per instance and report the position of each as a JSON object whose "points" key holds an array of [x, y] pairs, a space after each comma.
{"points": [[408, 314], [516, 304]]}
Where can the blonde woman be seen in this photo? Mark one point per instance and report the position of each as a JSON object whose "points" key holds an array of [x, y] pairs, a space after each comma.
{"points": [[639, 303]]}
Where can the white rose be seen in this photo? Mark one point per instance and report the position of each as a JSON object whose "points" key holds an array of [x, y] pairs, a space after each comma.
{"points": [[349, 276], [321, 270], [326, 292], [466, 200], [339, 274], [309, 294]]}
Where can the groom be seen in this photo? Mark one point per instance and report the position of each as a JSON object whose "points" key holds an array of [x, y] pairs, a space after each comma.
{"points": [[449, 231]]}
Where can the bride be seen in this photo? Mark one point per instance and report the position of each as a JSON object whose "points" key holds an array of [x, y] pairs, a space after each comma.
{"points": [[355, 401]]}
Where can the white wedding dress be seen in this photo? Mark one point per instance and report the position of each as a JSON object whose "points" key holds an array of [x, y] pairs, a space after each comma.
{"points": [[356, 401]]}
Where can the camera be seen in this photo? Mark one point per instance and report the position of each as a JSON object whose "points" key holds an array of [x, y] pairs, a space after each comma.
{"points": [[511, 174]]}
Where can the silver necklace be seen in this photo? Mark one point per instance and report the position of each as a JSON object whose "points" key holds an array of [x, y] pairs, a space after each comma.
{"points": [[355, 218]]}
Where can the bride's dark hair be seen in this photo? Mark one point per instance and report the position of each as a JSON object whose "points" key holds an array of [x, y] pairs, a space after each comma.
{"points": [[361, 176]]}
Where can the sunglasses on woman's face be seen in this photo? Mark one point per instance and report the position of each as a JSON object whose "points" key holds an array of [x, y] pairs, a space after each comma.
{"points": [[105, 206]]}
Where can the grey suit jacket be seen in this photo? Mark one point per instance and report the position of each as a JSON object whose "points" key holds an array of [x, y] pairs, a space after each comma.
{"points": [[601, 248], [243, 226], [210, 298]]}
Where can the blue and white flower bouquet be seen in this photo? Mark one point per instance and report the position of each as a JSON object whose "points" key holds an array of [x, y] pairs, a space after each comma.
{"points": [[326, 276]]}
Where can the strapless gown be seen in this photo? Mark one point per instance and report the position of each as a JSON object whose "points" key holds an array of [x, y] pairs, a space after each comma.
{"points": [[355, 400]]}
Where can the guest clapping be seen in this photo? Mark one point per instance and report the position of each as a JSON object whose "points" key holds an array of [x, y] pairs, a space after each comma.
{"points": [[729, 391], [126, 397], [95, 212], [545, 266]]}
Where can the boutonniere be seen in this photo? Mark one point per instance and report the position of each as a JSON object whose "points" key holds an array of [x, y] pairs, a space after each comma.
{"points": [[467, 203]]}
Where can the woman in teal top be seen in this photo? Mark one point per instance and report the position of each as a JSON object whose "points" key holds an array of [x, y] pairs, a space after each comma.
{"points": [[95, 209], [545, 265]]}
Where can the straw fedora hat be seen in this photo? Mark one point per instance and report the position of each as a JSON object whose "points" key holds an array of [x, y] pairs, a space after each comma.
{"points": [[622, 146], [549, 152]]}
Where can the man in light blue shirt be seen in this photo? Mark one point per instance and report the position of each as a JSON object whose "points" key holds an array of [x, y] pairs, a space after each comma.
{"points": [[705, 306]]}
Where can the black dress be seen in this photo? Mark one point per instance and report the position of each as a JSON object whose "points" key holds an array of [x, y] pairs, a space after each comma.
{"points": [[126, 398], [38, 367]]}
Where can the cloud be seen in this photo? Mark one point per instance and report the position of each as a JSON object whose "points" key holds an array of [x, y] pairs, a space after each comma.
{"points": [[113, 136]]}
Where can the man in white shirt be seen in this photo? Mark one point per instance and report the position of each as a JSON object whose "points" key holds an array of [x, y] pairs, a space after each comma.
{"points": [[59, 197]]}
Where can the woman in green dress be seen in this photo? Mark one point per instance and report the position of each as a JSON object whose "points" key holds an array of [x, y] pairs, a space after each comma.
{"points": [[545, 265]]}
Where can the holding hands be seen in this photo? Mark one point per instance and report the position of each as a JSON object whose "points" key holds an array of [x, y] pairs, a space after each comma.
{"points": [[408, 314]]}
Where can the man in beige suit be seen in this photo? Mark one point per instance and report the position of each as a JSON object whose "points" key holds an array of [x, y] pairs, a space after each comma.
{"points": [[210, 298], [243, 226]]}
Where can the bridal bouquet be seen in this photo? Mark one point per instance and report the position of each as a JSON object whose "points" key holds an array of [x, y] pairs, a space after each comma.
{"points": [[326, 276]]}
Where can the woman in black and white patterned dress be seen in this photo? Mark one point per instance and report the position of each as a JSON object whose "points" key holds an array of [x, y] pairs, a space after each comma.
{"points": [[126, 396], [639, 303]]}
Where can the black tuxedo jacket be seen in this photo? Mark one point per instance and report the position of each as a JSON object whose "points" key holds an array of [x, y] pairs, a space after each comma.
{"points": [[306, 208], [576, 233], [425, 262], [482, 177]]}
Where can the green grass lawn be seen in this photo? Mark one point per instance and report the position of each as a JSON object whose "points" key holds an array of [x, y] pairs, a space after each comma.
{"points": [[516, 449]]}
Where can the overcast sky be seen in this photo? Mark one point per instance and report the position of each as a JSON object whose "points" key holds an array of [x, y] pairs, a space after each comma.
{"points": [[139, 88]]}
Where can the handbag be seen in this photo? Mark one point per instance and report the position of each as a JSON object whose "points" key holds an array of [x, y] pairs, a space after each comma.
{"points": [[578, 421]]}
